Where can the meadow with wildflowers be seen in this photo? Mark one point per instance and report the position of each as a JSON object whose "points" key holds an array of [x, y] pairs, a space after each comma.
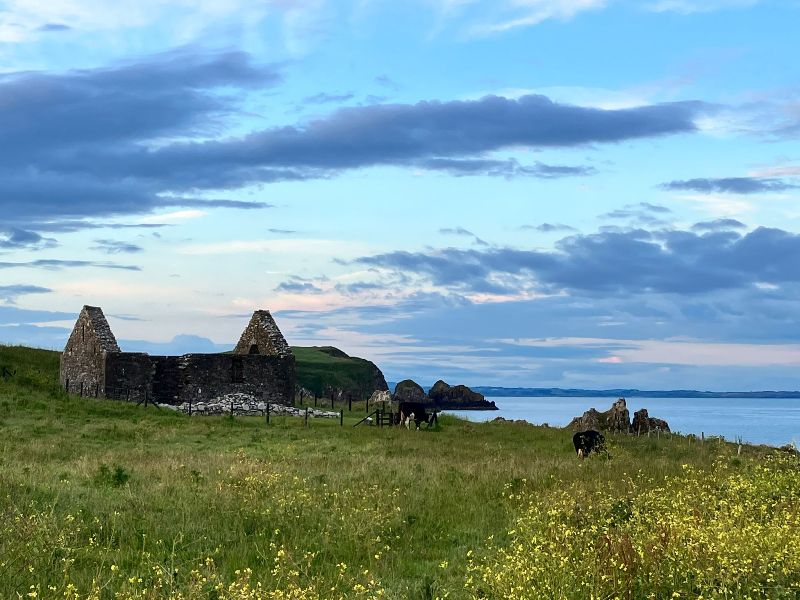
{"points": [[105, 500]]}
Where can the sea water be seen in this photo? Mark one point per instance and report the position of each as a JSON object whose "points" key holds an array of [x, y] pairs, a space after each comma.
{"points": [[773, 421]]}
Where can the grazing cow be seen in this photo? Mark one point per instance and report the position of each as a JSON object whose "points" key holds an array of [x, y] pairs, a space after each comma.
{"points": [[413, 411], [587, 441]]}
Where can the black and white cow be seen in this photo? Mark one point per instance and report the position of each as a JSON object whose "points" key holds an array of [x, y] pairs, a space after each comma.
{"points": [[586, 442], [414, 411]]}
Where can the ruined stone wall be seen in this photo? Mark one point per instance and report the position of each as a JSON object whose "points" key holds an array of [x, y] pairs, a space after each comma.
{"points": [[83, 360], [93, 365], [207, 376], [167, 379], [129, 376]]}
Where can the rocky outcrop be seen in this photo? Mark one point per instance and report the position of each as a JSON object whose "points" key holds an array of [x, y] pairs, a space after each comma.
{"points": [[458, 397], [409, 391], [617, 420], [591, 419], [643, 423]]}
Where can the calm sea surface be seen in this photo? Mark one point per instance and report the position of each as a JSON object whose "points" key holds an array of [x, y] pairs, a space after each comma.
{"points": [[774, 421]]}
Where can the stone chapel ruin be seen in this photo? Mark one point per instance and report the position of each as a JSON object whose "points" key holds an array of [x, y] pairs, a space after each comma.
{"points": [[262, 365]]}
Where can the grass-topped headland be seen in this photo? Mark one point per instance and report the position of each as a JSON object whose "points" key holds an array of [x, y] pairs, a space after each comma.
{"points": [[103, 499], [320, 369]]}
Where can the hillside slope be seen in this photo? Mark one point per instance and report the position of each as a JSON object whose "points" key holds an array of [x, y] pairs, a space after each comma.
{"points": [[321, 368]]}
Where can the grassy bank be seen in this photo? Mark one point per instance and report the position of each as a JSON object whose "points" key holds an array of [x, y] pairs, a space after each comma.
{"points": [[101, 498]]}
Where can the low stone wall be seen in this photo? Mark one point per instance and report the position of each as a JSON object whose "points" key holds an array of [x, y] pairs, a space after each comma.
{"points": [[246, 405]]}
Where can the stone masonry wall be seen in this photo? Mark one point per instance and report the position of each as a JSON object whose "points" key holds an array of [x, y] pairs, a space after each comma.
{"points": [[262, 336], [129, 376], [83, 360], [207, 376]]}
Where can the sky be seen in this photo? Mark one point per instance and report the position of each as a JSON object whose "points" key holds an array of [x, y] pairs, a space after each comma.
{"points": [[542, 193]]}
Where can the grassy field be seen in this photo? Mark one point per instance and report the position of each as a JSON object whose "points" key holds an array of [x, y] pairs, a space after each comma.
{"points": [[101, 499]]}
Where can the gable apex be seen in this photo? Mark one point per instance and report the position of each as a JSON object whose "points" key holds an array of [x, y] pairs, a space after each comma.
{"points": [[94, 317], [262, 336]]}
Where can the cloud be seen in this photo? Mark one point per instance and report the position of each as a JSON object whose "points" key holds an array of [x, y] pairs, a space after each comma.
{"points": [[298, 287], [57, 265], [19, 239], [95, 143], [560, 340], [387, 82], [525, 13], [731, 185], [61, 131], [463, 232], [10, 293], [324, 98], [718, 225], [508, 168], [21, 20], [359, 287], [642, 213], [548, 228], [693, 6], [116, 247], [629, 262], [53, 27]]}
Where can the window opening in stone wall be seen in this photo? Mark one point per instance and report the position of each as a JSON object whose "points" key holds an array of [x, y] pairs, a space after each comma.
{"points": [[254, 349], [237, 370]]}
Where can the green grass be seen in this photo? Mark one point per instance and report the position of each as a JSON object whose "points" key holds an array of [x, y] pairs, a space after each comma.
{"points": [[319, 368], [104, 483]]}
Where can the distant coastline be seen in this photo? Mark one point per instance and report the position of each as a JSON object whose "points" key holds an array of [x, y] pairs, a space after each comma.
{"points": [[517, 392]]}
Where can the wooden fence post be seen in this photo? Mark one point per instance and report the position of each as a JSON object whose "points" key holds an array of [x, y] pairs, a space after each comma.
{"points": [[267, 413], [341, 418], [350, 402], [306, 416]]}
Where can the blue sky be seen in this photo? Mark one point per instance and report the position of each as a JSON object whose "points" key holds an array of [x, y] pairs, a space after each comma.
{"points": [[586, 193]]}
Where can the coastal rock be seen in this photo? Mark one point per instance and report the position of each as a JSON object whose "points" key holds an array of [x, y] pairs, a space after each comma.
{"points": [[642, 423], [617, 420], [591, 419], [460, 396], [409, 391]]}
